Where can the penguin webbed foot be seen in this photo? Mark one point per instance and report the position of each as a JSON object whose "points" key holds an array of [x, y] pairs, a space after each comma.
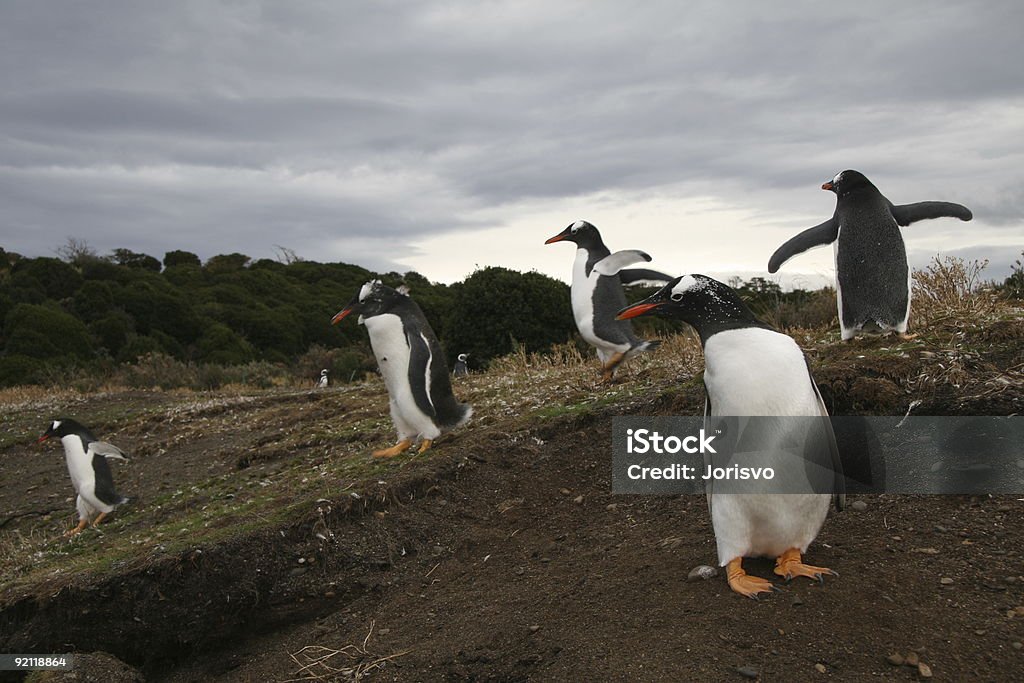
{"points": [[789, 566], [425, 446], [71, 533], [746, 585], [399, 448], [608, 369]]}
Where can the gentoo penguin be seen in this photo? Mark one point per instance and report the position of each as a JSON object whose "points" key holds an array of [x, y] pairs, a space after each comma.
{"points": [[90, 473], [872, 276], [322, 382], [597, 279], [752, 370], [460, 365], [412, 363]]}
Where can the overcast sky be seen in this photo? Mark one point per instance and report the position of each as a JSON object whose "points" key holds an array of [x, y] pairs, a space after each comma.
{"points": [[439, 137]]}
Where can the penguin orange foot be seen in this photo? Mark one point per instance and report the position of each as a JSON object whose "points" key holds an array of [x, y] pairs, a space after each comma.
{"points": [[397, 449], [427, 443], [908, 337], [744, 584], [789, 565], [77, 530], [608, 369]]}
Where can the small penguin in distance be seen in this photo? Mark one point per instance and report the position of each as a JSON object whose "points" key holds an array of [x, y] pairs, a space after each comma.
{"points": [[90, 474], [461, 370], [597, 279], [872, 275], [412, 363], [322, 382], [752, 370]]}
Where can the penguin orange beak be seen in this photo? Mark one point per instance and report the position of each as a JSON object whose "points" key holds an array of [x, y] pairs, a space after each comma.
{"points": [[635, 311], [560, 236], [827, 185], [341, 315]]}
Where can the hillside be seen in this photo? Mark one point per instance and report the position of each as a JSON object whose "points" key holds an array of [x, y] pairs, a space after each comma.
{"points": [[261, 536]]}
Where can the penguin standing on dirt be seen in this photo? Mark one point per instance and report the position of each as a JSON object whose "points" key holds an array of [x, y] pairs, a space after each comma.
{"points": [[752, 370], [872, 275], [597, 279], [412, 363], [90, 474], [461, 370], [322, 382]]}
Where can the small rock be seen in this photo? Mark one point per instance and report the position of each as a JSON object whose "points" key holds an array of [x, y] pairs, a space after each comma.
{"points": [[896, 659], [565, 492], [946, 581], [578, 500], [926, 551], [611, 506], [924, 670], [384, 631], [820, 668], [1017, 645], [797, 601], [702, 572], [980, 632], [859, 505], [747, 671], [302, 560], [534, 628], [330, 594], [912, 659]]}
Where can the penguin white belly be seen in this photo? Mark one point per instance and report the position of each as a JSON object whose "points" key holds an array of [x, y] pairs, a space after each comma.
{"points": [[758, 372], [83, 477], [582, 296], [387, 339]]}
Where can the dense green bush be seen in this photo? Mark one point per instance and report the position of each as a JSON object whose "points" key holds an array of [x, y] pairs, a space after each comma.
{"points": [[495, 309], [234, 320]]}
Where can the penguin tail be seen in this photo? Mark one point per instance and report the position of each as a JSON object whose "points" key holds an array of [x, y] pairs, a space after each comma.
{"points": [[122, 501], [455, 416], [467, 412], [645, 345]]}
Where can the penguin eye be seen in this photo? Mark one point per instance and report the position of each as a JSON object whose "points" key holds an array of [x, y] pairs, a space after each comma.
{"points": [[676, 296]]}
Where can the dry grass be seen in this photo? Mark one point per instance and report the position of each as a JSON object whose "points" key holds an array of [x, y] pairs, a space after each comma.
{"points": [[950, 290], [348, 663]]}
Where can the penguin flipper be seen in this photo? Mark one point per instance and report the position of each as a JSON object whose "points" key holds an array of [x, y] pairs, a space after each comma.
{"points": [[107, 450], [642, 276], [824, 233], [613, 263], [104, 486], [905, 214], [421, 372]]}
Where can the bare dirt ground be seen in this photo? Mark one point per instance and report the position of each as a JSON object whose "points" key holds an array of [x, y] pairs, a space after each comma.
{"points": [[262, 544]]}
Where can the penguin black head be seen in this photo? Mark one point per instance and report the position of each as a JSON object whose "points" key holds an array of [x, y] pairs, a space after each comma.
{"points": [[698, 300], [463, 357], [61, 427], [374, 298], [323, 372], [584, 234], [846, 182]]}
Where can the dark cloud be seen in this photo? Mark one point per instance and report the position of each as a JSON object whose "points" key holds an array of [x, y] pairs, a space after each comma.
{"points": [[358, 130]]}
